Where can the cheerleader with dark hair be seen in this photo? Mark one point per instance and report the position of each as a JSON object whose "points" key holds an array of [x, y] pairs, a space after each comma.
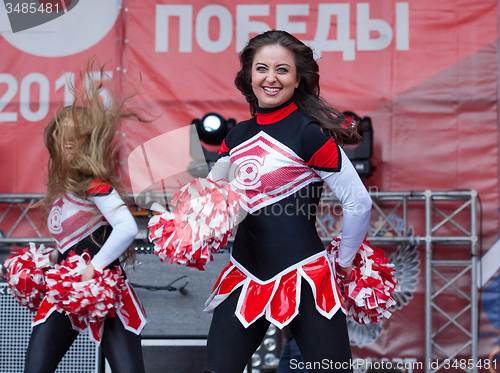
{"points": [[279, 271]]}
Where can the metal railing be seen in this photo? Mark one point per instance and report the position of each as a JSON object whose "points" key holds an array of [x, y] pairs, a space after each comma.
{"points": [[390, 211]]}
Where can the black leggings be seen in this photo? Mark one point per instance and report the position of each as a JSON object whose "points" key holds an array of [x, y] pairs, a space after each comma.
{"points": [[50, 341], [322, 342]]}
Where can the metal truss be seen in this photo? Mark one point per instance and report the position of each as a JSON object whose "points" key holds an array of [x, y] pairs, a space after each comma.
{"points": [[16, 208], [453, 211], [465, 203], [456, 225]]}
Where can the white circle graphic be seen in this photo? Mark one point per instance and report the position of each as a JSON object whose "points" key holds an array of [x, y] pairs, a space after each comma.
{"points": [[248, 172], [73, 32], [54, 220]]}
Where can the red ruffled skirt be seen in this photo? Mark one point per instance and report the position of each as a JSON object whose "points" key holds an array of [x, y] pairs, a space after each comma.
{"points": [[131, 314], [278, 298]]}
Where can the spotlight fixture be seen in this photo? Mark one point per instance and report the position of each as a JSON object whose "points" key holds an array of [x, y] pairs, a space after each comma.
{"points": [[266, 357], [209, 132], [361, 153], [211, 123]]}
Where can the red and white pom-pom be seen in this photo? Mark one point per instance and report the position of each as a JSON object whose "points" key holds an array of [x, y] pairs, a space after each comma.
{"points": [[368, 291], [206, 215], [26, 275], [94, 299]]}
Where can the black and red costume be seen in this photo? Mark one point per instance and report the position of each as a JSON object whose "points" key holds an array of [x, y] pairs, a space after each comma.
{"points": [[102, 225], [279, 271]]}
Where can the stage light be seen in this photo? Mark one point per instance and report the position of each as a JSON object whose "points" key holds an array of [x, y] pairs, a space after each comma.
{"points": [[205, 139], [266, 356], [361, 153], [212, 129], [256, 360], [212, 123]]}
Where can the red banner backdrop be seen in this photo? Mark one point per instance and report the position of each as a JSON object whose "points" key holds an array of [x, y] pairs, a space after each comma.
{"points": [[426, 72]]}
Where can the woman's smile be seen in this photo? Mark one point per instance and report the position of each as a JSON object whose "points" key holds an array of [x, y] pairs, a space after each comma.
{"points": [[274, 75]]}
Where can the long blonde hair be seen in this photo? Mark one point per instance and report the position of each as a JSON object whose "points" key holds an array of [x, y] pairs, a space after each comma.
{"points": [[91, 125]]}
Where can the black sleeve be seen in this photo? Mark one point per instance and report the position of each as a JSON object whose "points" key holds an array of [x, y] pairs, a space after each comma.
{"points": [[226, 144], [319, 151]]}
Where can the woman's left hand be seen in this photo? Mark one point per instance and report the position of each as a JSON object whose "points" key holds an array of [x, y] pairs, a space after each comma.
{"points": [[88, 274]]}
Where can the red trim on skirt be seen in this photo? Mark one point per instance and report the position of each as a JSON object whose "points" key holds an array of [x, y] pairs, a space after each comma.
{"points": [[279, 297], [131, 314]]}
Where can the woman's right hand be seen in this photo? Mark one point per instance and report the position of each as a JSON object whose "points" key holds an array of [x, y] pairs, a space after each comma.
{"points": [[346, 271], [88, 274]]}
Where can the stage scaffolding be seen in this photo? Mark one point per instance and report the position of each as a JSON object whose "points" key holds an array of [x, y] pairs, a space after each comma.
{"points": [[440, 210]]}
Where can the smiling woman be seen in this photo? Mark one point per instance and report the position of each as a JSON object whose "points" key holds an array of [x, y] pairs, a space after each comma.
{"points": [[274, 76], [279, 272]]}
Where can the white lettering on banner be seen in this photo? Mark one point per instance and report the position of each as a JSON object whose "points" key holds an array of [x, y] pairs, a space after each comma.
{"points": [[283, 13], [225, 28], [343, 43], [66, 80], [185, 14], [244, 26], [336, 16], [7, 96], [402, 26], [25, 97], [25, 90], [363, 27]]}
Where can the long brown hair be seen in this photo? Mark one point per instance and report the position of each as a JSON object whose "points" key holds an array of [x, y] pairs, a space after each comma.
{"points": [[307, 94], [91, 125]]}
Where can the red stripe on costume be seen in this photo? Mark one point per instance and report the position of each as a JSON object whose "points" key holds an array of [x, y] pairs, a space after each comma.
{"points": [[223, 148], [96, 329], [279, 298], [249, 201], [284, 302], [221, 276], [133, 294], [233, 279], [256, 300], [43, 311], [319, 272], [130, 312], [78, 324], [261, 146], [98, 186], [326, 157], [78, 202], [275, 116]]}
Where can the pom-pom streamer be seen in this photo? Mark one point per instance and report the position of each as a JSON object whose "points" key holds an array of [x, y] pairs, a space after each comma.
{"points": [[94, 299], [26, 275], [206, 215], [368, 291]]}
